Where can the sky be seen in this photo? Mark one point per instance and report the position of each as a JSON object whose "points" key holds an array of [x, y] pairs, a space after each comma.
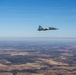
{"points": [[21, 18]]}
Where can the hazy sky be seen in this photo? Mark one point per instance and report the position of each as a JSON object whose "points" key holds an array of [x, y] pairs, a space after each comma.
{"points": [[21, 18]]}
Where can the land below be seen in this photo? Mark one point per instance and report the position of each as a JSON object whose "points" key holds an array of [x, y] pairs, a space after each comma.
{"points": [[37, 58]]}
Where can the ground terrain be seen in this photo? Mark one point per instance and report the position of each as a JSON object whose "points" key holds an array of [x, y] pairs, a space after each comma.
{"points": [[37, 58]]}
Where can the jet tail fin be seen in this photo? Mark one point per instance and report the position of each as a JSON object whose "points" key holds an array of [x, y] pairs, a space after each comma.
{"points": [[40, 27]]}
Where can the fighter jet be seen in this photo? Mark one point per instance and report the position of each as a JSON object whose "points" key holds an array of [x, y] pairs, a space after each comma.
{"points": [[44, 29]]}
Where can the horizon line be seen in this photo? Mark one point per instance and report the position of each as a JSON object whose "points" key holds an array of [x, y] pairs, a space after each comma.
{"points": [[44, 37]]}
